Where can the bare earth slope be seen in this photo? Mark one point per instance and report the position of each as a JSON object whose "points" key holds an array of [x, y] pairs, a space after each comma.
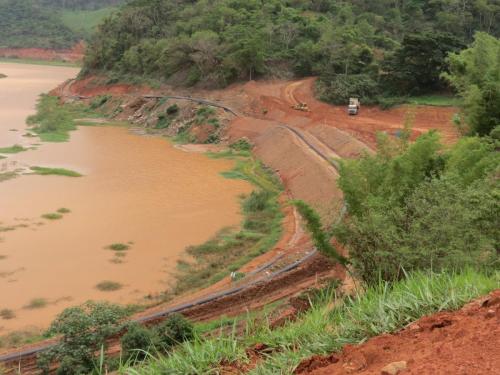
{"points": [[461, 342]]}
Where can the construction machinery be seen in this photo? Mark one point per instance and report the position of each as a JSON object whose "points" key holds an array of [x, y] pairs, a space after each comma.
{"points": [[301, 107], [353, 107]]}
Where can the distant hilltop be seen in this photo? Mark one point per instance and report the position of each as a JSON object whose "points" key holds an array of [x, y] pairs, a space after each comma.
{"points": [[51, 24]]}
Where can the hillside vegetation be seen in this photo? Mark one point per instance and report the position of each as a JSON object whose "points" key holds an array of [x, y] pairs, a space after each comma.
{"points": [[364, 47], [50, 23]]}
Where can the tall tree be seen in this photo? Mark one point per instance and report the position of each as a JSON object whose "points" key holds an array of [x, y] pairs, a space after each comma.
{"points": [[475, 73]]}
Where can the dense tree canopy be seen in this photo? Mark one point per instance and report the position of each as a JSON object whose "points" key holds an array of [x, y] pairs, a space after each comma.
{"points": [[346, 43], [475, 73], [78, 4], [421, 207], [27, 24]]}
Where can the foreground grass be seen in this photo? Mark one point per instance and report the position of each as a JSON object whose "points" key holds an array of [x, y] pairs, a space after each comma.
{"points": [[379, 309], [230, 249]]}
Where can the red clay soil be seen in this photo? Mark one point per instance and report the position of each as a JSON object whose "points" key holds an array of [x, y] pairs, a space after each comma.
{"points": [[462, 342], [277, 98], [72, 55]]}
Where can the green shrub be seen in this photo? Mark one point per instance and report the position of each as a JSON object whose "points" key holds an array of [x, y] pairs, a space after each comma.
{"points": [[339, 88], [173, 109], [495, 133], [213, 138], [83, 330], [241, 144], [164, 121], [99, 101], [257, 201], [176, 329], [136, 341], [415, 207]]}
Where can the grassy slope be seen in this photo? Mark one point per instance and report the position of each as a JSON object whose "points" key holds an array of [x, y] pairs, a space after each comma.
{"points": [[380, 309], [85, 21], [435, 100]]}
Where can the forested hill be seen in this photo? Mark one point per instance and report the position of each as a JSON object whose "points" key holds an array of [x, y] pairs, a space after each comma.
{"points": [[352, 45], [79, 4], [50, 23]]}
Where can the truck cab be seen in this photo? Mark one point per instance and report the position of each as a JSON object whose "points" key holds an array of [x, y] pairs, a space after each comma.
{"points": [[353, 107]]}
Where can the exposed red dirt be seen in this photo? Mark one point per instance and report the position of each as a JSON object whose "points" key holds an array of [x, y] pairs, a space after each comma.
{"points": [[72, 55], [462, 342]]}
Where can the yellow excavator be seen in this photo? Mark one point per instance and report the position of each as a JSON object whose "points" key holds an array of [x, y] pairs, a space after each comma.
{"points": [[301, 107]]}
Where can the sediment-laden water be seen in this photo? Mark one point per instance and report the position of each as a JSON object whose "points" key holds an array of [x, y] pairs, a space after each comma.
{"points": [[138, 191]]}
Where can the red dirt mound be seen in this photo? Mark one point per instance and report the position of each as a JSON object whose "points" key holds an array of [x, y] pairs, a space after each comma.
{"points": [[461, 342], [69, 55]]}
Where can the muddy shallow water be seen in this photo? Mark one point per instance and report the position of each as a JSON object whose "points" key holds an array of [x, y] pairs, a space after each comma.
{"points": [[136, 190]]}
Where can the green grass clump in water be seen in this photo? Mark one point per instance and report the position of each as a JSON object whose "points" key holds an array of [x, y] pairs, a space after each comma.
{"points": [[64, 210], [7, 314], [118, 247], [54, 121], [7, 176], [44, 171], [109, 286], [382, 308], [52, 216], [2, 76], [12, 149], [36, 303]]}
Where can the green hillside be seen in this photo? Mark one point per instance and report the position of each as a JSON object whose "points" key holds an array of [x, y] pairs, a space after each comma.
{"points": [[50, 23], [84, 22], [362, 47]]}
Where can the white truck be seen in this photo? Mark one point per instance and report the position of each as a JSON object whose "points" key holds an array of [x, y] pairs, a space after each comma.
{"points": [[353, 107]]}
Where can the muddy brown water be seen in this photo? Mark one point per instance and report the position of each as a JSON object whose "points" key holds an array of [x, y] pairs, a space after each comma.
{"points": [[135, 189]]}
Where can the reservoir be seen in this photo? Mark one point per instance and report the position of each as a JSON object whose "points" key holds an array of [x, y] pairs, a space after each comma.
{"points": [[138, 191]]}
